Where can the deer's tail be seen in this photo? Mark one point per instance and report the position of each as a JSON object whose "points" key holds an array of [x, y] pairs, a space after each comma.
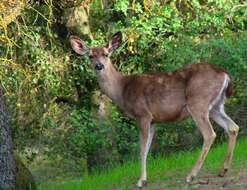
{"points": [[229, 88]]}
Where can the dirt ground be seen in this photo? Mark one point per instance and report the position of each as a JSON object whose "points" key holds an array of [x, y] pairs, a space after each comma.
{"points": [[234, 180]]}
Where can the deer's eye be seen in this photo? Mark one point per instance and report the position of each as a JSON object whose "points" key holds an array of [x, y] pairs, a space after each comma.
{"points": [[90, 56], [106, 54]]}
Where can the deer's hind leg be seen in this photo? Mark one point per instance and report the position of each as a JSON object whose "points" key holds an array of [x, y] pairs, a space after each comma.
{"points": [[222, 119], [201, 117]]}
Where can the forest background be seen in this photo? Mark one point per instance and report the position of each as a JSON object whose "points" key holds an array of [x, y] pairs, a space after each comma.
{"points": [[61, 122]]}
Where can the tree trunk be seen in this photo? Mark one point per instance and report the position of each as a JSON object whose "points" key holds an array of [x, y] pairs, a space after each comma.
{"points": [[7, 162]]}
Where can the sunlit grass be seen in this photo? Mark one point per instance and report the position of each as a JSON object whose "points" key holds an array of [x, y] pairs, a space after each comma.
{"points": [[160, 170]]}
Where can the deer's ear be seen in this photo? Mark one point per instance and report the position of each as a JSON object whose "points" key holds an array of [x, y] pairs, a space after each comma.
{"points": [[114, 42], [77, 45]]}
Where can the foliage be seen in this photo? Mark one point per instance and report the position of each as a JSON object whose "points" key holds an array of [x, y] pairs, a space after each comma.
{"points": [[24, 178], [38, 71]]}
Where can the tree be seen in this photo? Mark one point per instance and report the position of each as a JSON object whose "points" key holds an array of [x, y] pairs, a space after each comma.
{"points": [[7, 161]]}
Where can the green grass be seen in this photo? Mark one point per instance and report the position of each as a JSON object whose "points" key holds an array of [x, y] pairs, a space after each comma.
{"points": [[161, 170]]}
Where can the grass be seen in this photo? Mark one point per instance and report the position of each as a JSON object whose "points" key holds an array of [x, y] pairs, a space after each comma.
{"points": [[161, 170]]}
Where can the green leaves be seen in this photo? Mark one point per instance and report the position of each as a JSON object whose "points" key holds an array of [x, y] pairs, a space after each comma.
{"points": [[122, 6]]}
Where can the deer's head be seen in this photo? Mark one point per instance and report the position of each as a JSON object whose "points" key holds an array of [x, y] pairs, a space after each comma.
{"points": [[99, 56]]}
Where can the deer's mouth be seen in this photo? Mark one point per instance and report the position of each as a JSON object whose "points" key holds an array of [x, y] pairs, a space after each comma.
{"points": [[99, 67]]}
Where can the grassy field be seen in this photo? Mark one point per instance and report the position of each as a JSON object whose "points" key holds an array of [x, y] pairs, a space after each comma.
{"points": [[163, 172]]}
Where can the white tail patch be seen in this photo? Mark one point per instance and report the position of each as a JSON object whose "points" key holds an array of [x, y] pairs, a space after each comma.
{"points": [[221, 96]]}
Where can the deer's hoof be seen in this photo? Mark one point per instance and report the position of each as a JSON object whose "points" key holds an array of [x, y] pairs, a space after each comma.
{"points": [[223, 172], [190, 178], [141, 183]]}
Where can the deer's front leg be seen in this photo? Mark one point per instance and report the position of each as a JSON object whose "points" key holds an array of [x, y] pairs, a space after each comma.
{"points": [[146, 136]]}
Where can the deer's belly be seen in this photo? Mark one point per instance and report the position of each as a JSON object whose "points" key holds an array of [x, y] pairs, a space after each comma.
{"points": [[169, 115], [168, 108]]}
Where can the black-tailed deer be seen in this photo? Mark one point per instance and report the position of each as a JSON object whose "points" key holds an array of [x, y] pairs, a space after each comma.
{"points": [[197, 90]]}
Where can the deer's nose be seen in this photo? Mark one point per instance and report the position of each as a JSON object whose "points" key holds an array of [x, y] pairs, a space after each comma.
{"points": [[99, 66]]}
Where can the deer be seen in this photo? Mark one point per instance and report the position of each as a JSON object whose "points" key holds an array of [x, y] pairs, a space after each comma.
{"points": [[197, 90]]}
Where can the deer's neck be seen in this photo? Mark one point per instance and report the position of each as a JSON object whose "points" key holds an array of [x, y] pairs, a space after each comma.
{"points": [[111, 84]]}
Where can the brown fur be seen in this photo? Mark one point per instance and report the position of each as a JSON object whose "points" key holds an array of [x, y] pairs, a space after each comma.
{"points": [[149, 94]]}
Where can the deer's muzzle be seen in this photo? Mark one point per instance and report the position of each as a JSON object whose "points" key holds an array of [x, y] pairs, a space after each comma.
{"points": [[99, 66]]}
